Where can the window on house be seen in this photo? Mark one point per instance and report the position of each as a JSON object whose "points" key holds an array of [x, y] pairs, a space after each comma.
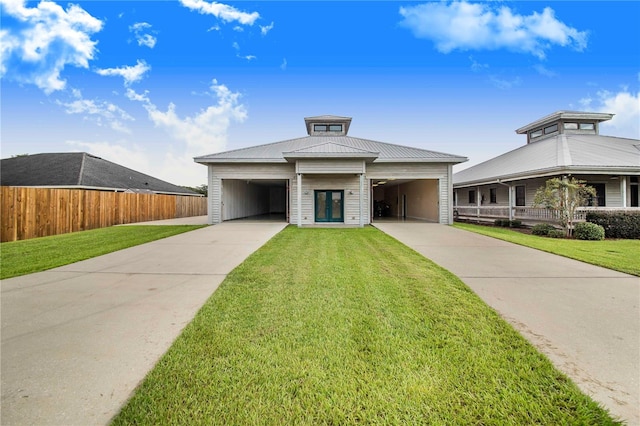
{"points": [[536, 134], [571, 126], [600, 195], [493, 199], [472, 196], [520, 195], [319, 127], [335, 127], [587, 126], [550, 129]]}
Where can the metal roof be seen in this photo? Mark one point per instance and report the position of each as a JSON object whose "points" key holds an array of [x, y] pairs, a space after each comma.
{"points": [[565, 115], [80, 170], [275, 152], [330, 150], [559, 154]]}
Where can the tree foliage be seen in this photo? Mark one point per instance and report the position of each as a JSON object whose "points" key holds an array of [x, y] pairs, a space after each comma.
{"points": [[564, 196]]}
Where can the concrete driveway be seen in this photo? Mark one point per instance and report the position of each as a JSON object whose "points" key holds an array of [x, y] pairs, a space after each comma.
{"points": [[586, 319], [77, 340]]}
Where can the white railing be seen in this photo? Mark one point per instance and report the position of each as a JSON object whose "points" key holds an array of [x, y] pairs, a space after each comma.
{"points": [[534, 214]]}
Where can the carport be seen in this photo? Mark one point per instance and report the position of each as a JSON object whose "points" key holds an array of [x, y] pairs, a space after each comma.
{"points": [[259, 199], [404, 199]]}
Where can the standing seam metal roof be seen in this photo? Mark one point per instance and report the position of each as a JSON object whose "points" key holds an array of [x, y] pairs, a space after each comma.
{"points": [[273, 152]]}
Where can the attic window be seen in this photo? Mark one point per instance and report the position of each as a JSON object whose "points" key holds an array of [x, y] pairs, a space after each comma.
{"points": [[536, 134], [571, 126], [550, 129], [327, 127], [587, 126]]}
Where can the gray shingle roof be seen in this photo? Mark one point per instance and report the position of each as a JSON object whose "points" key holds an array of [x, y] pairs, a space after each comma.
{"points": [[562, 153], [79, 169], [274, 152]]}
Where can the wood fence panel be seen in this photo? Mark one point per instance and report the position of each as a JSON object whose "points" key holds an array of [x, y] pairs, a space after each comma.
{"points": [[37, 212]]}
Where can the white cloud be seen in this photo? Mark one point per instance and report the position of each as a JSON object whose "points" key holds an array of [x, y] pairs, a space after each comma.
{"points": [[505, 84], [483, 26], [544, 71], [238, 29], [235, 45], [130, 74], [477, 66], [626, 107], [221, 11], [143, 38], [265, 29], [283, 65], [204, 132], [50, 38], [102, 113]]}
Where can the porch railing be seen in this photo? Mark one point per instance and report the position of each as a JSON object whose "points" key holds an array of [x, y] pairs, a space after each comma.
{"points": [[532, 214]]}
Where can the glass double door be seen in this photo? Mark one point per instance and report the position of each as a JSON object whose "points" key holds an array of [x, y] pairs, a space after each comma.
{"points": [[329, 206]]}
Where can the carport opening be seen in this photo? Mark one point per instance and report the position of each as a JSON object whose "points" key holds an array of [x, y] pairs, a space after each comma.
{"points": [[405, 200], [255, 199]]}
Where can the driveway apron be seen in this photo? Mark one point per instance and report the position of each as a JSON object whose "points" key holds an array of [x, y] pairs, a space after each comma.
{"points": [[586, 319], [77, 340]]}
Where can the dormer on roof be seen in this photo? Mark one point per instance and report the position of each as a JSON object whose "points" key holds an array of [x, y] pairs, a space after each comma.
{"points": [[327, 125], [564, 122]]}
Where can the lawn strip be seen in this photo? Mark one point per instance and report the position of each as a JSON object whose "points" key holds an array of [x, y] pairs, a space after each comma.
{"points": [[618, 255], [348, 326], [39, 254]]}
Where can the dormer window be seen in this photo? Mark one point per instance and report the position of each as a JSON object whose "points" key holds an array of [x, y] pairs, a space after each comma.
{"points": [[587, 126], [551, 129]]}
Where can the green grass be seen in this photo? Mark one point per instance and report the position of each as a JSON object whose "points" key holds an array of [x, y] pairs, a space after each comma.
{"points": [[619, 255], [348, 326], [39, 254]]}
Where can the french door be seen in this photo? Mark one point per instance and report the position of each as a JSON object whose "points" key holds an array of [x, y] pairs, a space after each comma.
{"points": [[329, 206]]}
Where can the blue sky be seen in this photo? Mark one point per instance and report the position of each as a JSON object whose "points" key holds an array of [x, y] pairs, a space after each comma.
{"points": [[152, 84]]}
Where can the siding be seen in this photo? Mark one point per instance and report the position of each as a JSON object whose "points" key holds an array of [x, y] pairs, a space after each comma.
{"points": [[330, 166], [253, 171], [407, 170], [344, 183]]}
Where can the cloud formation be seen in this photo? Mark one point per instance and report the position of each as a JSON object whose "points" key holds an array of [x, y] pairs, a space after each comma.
{"points": [[483, 26], [204, 132], [624, 104], [130, 74], [265, 29], [221, 11], [142, 37], [46, 40], [101, 112]]}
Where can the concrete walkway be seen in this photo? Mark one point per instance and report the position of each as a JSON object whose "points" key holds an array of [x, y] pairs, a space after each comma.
{"points": [[77, 340], [586, 319]]}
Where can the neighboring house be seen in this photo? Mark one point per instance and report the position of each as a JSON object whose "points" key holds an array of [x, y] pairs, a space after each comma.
{"points": [[329, 177], [79, 170], [562, 144]]}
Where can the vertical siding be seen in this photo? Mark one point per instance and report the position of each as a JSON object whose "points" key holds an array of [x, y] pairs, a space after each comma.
{"points": [[215, 199]]}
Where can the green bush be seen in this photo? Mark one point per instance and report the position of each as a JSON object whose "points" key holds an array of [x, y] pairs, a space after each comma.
{"points": [[556, 233], [501, 222], [617, 224], [515, 223], [542, 229], [588, 231]]}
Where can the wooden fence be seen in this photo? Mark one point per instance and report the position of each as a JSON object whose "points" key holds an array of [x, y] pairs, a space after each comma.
{"points": [[38, 212]]}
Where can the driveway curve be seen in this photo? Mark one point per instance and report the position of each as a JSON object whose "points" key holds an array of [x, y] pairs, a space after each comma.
{"points": [[585, 318]]}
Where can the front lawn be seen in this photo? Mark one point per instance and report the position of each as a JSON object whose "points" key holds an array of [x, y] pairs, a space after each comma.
{"points": [[39, 254], [348, 326], [619, 255]]}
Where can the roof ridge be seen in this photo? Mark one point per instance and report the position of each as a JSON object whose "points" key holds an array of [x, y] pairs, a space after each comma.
{"points": [[81, 173]]}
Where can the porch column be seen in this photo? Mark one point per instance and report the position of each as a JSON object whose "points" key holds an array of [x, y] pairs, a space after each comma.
{"points": [[361, 199], [299, 182], [623, 190], [510, 188], [478, 198]]}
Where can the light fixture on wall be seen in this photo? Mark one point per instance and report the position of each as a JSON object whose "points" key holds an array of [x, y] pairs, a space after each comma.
{"points": [[306, 192], [350, 192]]}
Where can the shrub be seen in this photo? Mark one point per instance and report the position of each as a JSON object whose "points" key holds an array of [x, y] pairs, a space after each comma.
{"points": [[542, 229], [617, 224], [515, 223], [556, 233], [501, 222], [588, 231]]}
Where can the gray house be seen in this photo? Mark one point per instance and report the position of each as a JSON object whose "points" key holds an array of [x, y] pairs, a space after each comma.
{"points": [[562, 144], [330, 178]]}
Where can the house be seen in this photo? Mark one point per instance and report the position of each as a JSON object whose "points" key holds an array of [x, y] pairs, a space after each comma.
{"points": [[80, 170], [562, 144], [330, 178]]}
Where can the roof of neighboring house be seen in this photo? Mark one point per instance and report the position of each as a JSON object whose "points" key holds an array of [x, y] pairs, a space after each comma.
{"points": [[566, 115], [80, 170], [562, 153], [329, 146]]}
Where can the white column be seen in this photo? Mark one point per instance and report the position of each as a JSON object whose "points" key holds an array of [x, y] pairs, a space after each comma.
{"points": [[511, 202], [623, 190], [299, 176], [361, 195]]}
